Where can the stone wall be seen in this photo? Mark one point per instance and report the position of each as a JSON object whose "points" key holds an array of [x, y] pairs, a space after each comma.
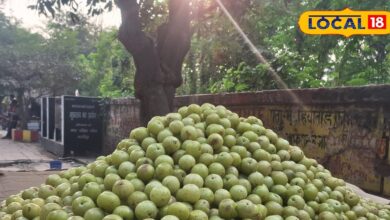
{"points": [[346, 129], [122, 115]]}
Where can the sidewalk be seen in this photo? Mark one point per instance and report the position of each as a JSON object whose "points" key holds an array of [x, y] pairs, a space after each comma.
{"points": [[15, 159], [10, 150], [24, 165], [18, 156]]}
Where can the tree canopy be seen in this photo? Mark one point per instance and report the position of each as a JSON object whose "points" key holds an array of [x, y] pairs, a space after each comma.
{"points": [[94, 61], [31, 63], [302, 61]]}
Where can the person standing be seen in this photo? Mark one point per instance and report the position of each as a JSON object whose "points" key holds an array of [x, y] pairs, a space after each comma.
{"points": [[12, 118], [3, 112], [5, 102]]}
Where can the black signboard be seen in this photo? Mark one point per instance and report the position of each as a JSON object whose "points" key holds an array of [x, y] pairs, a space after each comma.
{"points": [[44, 116], [58, 120], [50, 117], [82, 125]]}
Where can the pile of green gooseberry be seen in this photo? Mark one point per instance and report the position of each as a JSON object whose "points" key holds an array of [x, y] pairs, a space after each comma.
{"points": [[203, 162]]}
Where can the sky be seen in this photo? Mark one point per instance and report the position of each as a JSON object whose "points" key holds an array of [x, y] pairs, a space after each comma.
{"points": [[31, 20]]}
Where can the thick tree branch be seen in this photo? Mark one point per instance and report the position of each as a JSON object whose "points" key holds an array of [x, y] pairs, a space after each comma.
{"points": [[174, 41], [173, 44], [131, 26], [140, 46], [149, 78]]}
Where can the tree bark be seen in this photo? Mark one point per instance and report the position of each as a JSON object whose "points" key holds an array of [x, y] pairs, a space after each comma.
{"points": [[158, 64], [22, 108], [192, 74]]}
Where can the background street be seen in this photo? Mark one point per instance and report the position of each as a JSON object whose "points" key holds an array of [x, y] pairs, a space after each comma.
{"points": [[23, 165]]}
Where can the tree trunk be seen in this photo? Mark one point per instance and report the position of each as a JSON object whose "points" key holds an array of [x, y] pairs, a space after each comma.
{"points": [[158, 64], [192, 76], [22, 109]]}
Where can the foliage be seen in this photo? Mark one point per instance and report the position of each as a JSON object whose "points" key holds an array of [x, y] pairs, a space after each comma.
{"points": [[108, 71], [33, 64], [18, 53], [152, 14], [84, 57], [307, 61]]}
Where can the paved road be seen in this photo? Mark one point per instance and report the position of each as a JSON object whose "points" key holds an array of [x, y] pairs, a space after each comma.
{"points": [[12, 180], [24, 165], [12, 183]]}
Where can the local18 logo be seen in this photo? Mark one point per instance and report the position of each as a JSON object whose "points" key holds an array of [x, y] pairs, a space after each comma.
{"points": [[345, 22]]}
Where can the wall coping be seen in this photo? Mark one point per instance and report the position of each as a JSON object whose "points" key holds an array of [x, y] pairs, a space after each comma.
{"points": [[326, 96], [124, 101]]}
